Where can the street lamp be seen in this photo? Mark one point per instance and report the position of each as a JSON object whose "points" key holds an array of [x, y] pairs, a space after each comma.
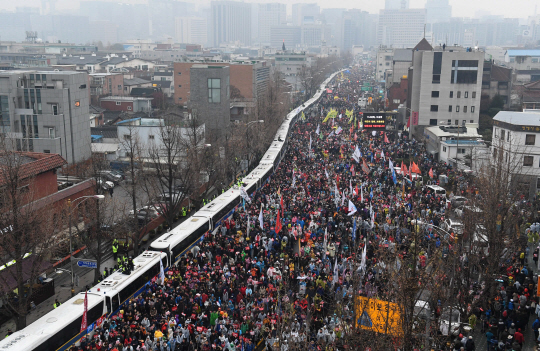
{"points": [[247, 138], [69, 202]]}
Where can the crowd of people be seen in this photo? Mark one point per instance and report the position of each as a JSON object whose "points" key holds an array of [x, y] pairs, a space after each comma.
{"points": [[284, 270]]}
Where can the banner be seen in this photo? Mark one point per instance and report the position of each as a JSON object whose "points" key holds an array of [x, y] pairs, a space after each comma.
{"points": [[84, 322], [414, 118], [378, 316], [331, 114]]}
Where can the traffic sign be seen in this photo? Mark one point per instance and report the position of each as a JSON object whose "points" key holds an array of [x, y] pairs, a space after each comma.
{"points": [[87, 263], [367, 84], [365, 88]]}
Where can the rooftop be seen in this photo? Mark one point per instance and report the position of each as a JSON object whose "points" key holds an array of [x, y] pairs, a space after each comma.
{"points": [[125, 98], [518, 118], [471, 131], [463, 142], [512, 53], [32, 163]]}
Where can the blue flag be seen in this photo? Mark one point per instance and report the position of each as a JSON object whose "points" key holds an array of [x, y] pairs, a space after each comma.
{"points": [[354, 230], [371, 194], [394, 176]]}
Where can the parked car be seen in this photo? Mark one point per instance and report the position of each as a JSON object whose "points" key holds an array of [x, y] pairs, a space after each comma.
{"points": [[105, 184], [458, 201], [109, 175], [147, 213], [452, 225]]}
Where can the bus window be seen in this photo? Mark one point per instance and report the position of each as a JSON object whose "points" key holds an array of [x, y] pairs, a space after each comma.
{"points": [[108, 303]]}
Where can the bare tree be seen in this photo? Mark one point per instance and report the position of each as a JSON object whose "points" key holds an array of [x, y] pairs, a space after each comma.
{"points": [[27, 238]]}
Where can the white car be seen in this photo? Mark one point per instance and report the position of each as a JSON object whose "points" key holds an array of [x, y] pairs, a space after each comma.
{"points": [[105, 184]]}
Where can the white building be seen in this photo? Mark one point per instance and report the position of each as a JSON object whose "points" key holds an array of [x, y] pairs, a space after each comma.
{"points": [[148, 132], [516, 142], [401, 28], [270, 14], [446, 86], [192, 30], [452, 143], [384, 62]]}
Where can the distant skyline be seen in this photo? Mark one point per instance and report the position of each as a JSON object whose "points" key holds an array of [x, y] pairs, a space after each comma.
{"points": [[460, 8]]}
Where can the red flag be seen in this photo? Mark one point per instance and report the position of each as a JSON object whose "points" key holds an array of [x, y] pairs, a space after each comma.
{"points": [[278, 223], [386, 139], [352, 170], [281, 205], [431, 173], [356, 190], [84, 323], [409, 122], [365, 167], [404, 170], [355, 136], [415, 168]]}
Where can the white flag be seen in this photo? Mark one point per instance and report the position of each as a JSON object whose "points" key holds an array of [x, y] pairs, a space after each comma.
{"points": [[382, 155], [310, 144], [336, 278], [338, 130], [318, 130], [161, 272], [244, 194], [293, 179], [261, 222], [363, 261], [326, 173], [357, 155], [331, 134], [350, 186], [343, 198], [352, 208], [248, 225], [372, 215], [390, 165], [325, 241]]}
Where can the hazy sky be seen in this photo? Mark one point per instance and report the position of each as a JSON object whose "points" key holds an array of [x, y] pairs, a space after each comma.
{"points": [[460, 8]]}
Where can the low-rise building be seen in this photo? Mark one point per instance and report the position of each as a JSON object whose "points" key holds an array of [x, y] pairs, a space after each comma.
{"points": [[497, 80], [516, 144], [127, 103], [451, 141]]}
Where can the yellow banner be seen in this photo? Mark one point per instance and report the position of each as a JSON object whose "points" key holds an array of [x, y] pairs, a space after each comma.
{"points": [[303, 116], [331, 114], [349, 113], [378, 315]]}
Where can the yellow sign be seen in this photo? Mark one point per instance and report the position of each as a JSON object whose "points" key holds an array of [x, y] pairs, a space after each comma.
{"points": [[378, 315]]}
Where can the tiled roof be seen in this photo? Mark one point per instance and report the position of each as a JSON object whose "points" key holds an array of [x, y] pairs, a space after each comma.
{"points": [[500, 74], [34, 163], [423, 45]]}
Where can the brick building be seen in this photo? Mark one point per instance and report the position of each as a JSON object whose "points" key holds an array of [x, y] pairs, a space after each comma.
{"points": [[397, 94], [105, 84], [126, 103], [250, 78]]}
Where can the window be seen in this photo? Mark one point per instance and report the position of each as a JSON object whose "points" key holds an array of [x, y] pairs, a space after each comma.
{"points": [[459, 94], [503, 134], [494, 153], [77, 103], [214, 90], [55, 109], [537, 183], [463, 122], [471, 121], [118, 103], [52, 133], [474, 94], [127, 137], [449, 122], [456, 122], [528, 161], [434, 94], [508, 136], [464, 72], [151, 137], [436, 79], [464, 108], [457, 108], [129, 108], [434, 108], [119, 87], [179, 85], [451, 94], [433, 122], [179, 73], [466, 95], [530, 139], [450, 108], [460, 151], [46, 151], [472, 109], [444, 148]]}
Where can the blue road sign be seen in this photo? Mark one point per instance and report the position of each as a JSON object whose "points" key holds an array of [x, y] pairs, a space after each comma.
{"points": [[87, 264]]}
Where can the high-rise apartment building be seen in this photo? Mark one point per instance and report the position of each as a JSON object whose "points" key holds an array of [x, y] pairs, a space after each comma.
{"points": [[231, 22], [357, 28], [396, 4], [438, 11], [191, 30], [446, 86], [401, 28], [305, 13], [270, 14], [46, 112]]}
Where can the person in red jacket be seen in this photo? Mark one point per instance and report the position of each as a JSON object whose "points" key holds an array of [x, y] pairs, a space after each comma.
{"points": [[518, 336]]}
